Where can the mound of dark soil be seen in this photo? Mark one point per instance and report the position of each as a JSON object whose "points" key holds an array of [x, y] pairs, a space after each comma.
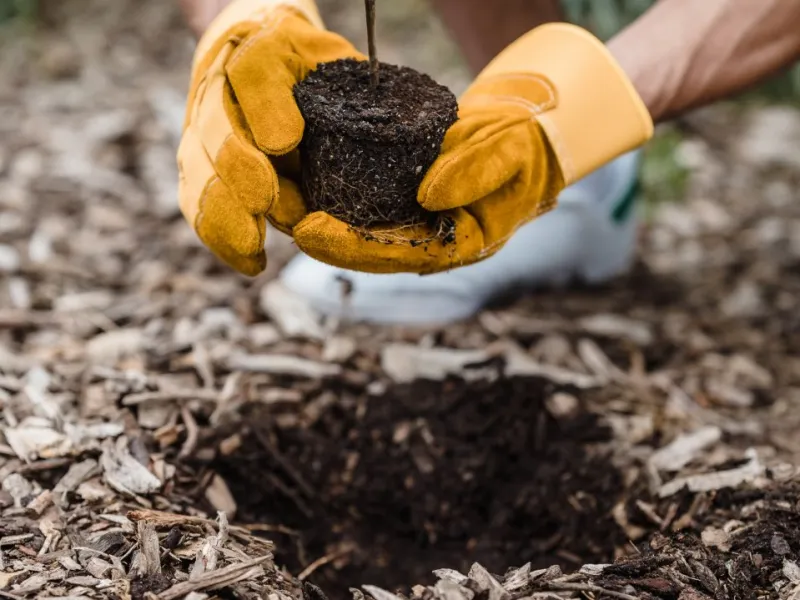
{"points": [[365, 151], [430, 475]]}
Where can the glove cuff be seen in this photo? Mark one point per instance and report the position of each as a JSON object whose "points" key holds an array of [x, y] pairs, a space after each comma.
{"points": [[597, 114], [254, 11]]}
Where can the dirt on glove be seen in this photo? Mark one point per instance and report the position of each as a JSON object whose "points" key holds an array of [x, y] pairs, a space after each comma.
{"points": [[366, 150]]}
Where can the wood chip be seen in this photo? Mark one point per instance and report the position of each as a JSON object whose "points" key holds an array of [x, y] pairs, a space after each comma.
{"points": [[517, 579], [165, 520], [617, 326], [40, 503], [338, 349], [519, 364], [725, 394], [598, 363], [93, 491], [450, 575], [110, 347], [714, 537], [685, 448], [154, 414], [13, 540], [124, 473], [32, 442], [19, 488], [404, 363], [149, 549], [380, 593], [216, 579], [281, 364], [485, 581], [449, 590], [562, 405], [292, 313], [171, 395], [791, 571], [98, 567], [220, 497], [716, 481], [592, 570]]}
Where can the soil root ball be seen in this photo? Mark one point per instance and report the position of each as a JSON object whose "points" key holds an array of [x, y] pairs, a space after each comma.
{"points": [[366, 151]]}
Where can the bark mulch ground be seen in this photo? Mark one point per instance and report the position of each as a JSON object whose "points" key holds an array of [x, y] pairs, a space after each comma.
{"points": [[171, 430]]}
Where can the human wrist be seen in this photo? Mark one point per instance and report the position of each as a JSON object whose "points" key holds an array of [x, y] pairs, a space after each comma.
{"points": [[199, 14], [683, 54], [639, 75]]}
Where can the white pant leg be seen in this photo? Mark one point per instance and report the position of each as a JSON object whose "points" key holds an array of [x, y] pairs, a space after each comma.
{"points": [[579, 239]]}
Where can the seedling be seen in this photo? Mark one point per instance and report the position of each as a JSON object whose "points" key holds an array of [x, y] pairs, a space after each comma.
{"points": [[374, 67]]}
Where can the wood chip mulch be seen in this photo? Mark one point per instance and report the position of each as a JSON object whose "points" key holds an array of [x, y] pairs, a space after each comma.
{"points": [[169, 430]]}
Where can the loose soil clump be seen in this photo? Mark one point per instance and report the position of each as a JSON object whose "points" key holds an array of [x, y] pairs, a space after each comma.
{"points": [[367, 149], [430, 474]]}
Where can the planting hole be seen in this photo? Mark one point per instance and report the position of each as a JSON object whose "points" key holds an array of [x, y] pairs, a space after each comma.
{"points": [[429, 475]]}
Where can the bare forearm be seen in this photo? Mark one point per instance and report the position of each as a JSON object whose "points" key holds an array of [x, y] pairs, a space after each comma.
{"points": [[684, 54], [200, 13]]}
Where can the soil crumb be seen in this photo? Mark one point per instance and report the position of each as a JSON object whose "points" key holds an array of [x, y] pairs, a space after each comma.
{"points": [[426, 476], [366, 151]]}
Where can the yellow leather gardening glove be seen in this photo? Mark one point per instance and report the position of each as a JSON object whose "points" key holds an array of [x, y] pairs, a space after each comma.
{"points": [[242, 125], [550, 109]]}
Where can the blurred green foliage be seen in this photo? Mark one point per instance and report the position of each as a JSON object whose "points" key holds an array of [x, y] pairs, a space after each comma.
{"points": [[607, 17], [663, 178], [18, 9]]}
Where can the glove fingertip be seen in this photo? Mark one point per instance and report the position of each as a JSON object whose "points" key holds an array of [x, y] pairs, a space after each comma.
{"points": [[283, 130], [282, 139], [247, 265], [253, 266], [325, 238], [436, 191], [262, 91], [291, 206], [316, 229]]}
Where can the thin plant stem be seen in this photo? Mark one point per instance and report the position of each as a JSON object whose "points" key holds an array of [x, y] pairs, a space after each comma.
{"points": [[373, 52]]}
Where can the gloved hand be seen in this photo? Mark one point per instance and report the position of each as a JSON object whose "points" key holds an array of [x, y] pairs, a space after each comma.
{"points": [[237, 158], [551, 108]]}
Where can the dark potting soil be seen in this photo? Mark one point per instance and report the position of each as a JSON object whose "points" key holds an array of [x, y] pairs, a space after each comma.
{"points": [[429, 475], [366, 151]]}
